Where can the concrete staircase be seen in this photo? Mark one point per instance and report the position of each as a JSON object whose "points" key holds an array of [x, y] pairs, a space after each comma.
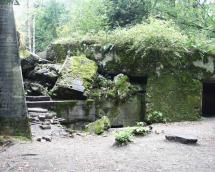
{"points": [[70, 110], [47, 115]]}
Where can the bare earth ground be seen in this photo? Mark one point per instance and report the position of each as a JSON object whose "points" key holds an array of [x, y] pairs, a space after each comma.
{"points": [[97, 153]]}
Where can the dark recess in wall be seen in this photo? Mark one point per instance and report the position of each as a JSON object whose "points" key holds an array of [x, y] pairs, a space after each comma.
{"points": [[208, 99]]}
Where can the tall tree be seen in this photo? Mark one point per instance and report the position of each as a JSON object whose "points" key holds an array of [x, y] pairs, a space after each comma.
{"points": [[49, 16]]}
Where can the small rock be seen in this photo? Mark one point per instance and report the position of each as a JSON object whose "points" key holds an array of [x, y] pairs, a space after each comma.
{"points": [[46, 122], [61, 120], [33, 114], [42, 117], [47, 138], [39, 139], [159, 131], [50, 115], [54, 121], [81, 134], [33, 119], [45, 127], [182, 139], [38, 110], [104, 135]]}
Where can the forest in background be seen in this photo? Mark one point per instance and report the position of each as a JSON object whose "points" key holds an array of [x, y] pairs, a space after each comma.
{"points": [[41, 22]]}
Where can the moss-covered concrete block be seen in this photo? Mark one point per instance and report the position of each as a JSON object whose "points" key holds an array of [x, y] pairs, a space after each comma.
{"points": [[75, 110], [177, 97], [76, 77], [57, 52], [126, 113]]}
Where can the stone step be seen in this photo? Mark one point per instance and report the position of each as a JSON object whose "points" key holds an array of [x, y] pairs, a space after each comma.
{"points": [[38, 98], [70, 110], [52, 103], [38, 110]]}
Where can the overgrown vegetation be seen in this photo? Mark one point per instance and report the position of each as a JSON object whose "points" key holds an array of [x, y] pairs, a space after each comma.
{"points": [[134, 38], [118, 90], [57, 19], [127, 135], [6, 1], [155, 117], [123, 137]]}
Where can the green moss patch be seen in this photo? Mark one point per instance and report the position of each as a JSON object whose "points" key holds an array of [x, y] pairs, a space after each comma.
{"points": [[177, 97], [24, 54], [77, 76], [99, 126], [83, 68]]}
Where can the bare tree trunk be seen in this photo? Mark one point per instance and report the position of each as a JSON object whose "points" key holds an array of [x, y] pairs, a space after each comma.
{"points": [[34, 35], [28, 27]]}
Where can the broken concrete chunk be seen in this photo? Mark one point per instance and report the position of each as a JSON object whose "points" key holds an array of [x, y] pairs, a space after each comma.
{"points": [[38, 110], [39, 139], [42, 117], [45, 127], [185, 139], [47, 138]]}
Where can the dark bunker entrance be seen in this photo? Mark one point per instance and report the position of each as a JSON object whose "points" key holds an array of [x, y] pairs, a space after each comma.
{"points": [[208, 99]]}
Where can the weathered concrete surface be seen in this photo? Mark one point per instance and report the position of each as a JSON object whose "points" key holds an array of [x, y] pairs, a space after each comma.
{"points": [[123, 114], [13, 114]]}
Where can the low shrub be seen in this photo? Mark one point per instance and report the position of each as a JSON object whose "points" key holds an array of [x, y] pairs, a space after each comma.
{"points": [[123, 137], [140, 131], [141, 124], [126, 136], [155, 117]]}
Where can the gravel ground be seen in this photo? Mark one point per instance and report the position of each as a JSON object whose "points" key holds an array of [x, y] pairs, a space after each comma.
{"points": [[97, 153]]}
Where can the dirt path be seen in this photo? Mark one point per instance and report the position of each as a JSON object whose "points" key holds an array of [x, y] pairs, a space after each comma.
{"points": [[97, 154]]}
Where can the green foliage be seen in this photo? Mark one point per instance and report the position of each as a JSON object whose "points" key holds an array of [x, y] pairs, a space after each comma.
{"points": [[48, 18], [122, 86], [193, 16], [141, 124], [24, 53], [127, 12], [100, 126], [140, 131], [156, 34], [1, 139], [87, 16], [155, 117], [6, 1], [123, 137], [120, 89], [96, 15]]}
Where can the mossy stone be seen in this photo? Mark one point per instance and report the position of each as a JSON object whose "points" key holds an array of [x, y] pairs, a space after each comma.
{"points": [[177, 97], [99, 126]]}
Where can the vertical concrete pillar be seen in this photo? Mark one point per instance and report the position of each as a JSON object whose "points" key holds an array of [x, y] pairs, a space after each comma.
{"points": [[13, 111]]}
